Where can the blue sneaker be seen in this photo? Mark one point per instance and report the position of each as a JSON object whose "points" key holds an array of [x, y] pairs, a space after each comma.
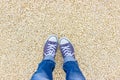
{"points": [[66, 48], [50, 47]]}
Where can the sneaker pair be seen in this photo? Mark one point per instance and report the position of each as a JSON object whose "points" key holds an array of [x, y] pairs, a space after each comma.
{"points": [[65, 46]]}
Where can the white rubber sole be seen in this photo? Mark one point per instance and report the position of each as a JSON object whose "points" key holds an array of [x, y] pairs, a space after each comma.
{"points": [[65, 39]]}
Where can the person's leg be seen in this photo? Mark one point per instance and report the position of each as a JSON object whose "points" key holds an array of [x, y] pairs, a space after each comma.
{"points": [[70, 65], [46, 67], [44, 71], [73, 71]]}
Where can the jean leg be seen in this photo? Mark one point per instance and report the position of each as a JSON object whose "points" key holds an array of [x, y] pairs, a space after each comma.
{"points": [[73, 71], [44, 71]]}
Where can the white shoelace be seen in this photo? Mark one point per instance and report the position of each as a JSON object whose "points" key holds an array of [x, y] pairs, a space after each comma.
{"points": [[50, 50], [66, 51]]}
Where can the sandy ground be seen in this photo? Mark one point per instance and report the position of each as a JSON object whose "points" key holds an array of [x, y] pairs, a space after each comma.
{"points": [[93, 26]]}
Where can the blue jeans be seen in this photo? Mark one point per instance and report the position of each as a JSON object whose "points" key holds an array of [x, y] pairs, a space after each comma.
{"points": [[46, 67]]}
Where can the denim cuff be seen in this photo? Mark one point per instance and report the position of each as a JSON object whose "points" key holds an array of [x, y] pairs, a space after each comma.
{"points": [[69, 58], [49, 58]]}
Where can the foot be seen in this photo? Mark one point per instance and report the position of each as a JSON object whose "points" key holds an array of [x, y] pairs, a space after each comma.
{"points": [[50, 47], [66, 48]]}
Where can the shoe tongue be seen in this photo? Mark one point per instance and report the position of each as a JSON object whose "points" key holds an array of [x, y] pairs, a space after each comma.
{"points": [[70, 46]]}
